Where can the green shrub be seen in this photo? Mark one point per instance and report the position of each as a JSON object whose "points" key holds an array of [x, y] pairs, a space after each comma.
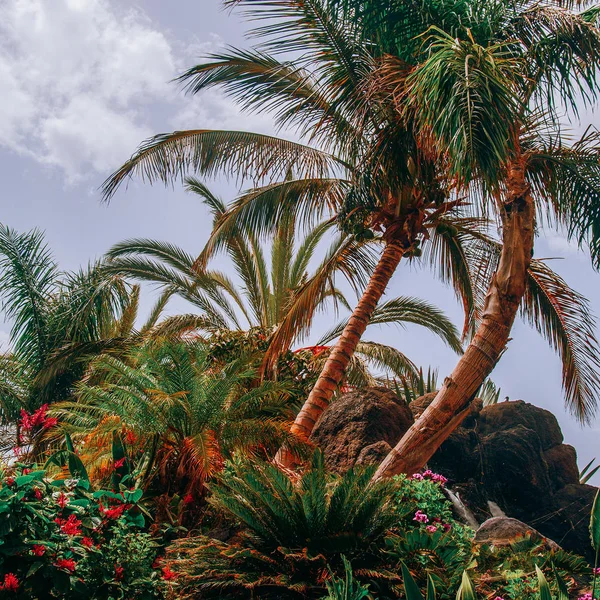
{"points": [[61, 539]]}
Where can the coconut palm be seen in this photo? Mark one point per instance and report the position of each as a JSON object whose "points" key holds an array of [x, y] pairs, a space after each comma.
{"points": [[282, 298], [403, 139]]}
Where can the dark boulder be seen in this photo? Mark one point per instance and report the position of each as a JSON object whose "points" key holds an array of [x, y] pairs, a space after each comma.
{"points": [[359, 419], [510, 454], [568, 521], [507, 415], [562, 465], [514, 456]]}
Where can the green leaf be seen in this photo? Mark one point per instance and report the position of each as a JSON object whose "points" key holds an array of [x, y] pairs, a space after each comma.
{"points": [[595, 524], [563, 591], [411, 589], [545, 593], [431, 595], [466, 590]]}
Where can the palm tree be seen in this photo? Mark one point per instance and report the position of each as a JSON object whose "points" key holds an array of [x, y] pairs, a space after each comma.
{"points": [[404, 139], [181, 413], [49, 310], [280, 299]]}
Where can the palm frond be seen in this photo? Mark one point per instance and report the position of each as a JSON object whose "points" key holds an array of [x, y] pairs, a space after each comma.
{"points": [[563, 317], [171, 156], [29, 276], [407, 310]]}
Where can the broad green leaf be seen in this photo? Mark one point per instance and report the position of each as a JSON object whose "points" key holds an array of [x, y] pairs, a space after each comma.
{"points": [[411, 589], [545, 593], [431, 595], [466, 590], [563, 591], [595, 524]]}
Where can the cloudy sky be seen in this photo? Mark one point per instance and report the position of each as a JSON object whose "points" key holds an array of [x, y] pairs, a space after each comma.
{"points": [[83, 82]]}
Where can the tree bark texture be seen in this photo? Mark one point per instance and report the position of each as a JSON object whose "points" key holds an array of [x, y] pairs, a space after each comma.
{"points": [[507, 288], [335, 367]]}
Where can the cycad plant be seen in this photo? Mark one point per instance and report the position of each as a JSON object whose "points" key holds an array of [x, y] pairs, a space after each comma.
{"points": [[292, 535], [179, 414], [407, 121]]}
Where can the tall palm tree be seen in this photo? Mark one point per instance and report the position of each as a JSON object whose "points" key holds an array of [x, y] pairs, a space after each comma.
{"points": [[281, 298], [402, 139]]}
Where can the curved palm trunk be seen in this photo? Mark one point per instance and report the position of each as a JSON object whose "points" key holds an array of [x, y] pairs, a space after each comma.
{"points": [[333, 372], [453, 401]]}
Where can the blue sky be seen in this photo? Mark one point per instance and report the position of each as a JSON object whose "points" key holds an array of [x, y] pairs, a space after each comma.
{"points": [[85, 81]]}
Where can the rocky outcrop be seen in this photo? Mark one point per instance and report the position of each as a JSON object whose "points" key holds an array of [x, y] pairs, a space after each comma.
{"points": [[510, 454], [356, 423]]}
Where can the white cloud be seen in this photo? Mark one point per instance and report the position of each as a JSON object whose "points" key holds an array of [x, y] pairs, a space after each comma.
{"points": [[75, 75]]}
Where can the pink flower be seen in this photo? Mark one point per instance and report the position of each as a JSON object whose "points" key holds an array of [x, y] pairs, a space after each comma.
{"points": [[431, 528], [11, 583], [447, 526], [67, 564], [417, 477], [421, 517], [38, 550], [587, 596], [439, 479], [596, 571]]}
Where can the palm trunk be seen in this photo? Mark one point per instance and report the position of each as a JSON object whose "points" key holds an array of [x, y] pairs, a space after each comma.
{"points": [[335, 367], [453, 402]]}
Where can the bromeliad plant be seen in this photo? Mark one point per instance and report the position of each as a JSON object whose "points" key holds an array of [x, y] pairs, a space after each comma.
{"points": [[60, 538]]}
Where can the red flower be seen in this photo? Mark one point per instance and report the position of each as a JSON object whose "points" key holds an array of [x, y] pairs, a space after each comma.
{"points": [[130, 437], [119, 570], [10, 481], [70, 526], [62, 500], [87, 542], [115, 512], [50, 422], [11, 583], [167, 574], [68, 564], [188, 499], [38, 493], [119, 463], [38, 550]]}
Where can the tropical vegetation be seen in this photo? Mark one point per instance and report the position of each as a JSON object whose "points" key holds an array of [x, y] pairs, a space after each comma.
{"points": [[170, 455]]}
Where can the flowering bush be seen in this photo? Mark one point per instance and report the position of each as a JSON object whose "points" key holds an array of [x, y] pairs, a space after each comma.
{"points": [[427, 539], [60, 538]]}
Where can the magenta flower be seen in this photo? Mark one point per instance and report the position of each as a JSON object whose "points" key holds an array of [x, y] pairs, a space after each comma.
{"points": [[421, 517]]}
